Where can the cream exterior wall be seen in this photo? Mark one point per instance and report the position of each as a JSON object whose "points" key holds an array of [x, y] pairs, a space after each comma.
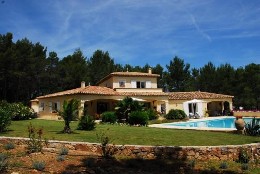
{"points": [[92, 100], [35, 106], [113, 82], [178, 104]]}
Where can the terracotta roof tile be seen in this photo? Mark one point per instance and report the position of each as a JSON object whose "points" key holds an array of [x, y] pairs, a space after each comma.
{"points": [[143, 94], [98, 90], [95, 90], [196, 95], [128, 74]]}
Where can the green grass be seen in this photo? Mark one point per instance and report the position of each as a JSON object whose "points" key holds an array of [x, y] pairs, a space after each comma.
{"points": [[130, 135]]}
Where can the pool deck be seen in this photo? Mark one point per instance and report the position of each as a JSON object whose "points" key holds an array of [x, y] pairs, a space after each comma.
{"points": [[164, 125]]}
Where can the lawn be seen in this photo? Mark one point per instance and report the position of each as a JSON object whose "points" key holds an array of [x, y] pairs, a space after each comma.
{"points": [[130, 135]]}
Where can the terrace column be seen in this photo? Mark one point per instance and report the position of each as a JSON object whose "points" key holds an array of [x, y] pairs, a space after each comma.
{"points": [[81, 109], [167, 108]]}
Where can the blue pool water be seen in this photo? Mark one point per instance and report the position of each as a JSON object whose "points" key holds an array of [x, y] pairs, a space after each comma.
{"points": [[227, 122]]}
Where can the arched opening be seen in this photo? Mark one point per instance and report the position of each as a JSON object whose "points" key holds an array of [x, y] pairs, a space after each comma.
{"points": [[226, 109]]}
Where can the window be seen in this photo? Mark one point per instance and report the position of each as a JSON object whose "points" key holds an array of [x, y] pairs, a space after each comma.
{"points": [[42, 106], [54, 107], [140, 84], [122, 83]]}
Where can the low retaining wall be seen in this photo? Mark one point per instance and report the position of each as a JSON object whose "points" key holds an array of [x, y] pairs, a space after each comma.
{"points": [[203, 153], [247, 113]]}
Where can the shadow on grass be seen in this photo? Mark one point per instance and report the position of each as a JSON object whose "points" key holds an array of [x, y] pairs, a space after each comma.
{"points": [[61, 132]]}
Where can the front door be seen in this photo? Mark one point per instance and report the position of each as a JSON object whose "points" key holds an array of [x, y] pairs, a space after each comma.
{"points": [[102, 107]]}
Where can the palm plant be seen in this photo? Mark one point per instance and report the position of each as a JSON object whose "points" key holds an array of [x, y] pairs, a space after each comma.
{"points": [[125, 107], [70, 112]]}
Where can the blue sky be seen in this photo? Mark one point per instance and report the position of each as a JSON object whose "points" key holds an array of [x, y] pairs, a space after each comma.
{"points": [[138, 32]]}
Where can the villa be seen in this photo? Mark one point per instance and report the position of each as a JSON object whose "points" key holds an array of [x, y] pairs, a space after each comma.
{"points": [[137, 85]]}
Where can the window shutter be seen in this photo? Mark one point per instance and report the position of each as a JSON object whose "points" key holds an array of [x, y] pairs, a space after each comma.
{"points": [[148, 84], [133, 84], [58, 106], [50, 107]]}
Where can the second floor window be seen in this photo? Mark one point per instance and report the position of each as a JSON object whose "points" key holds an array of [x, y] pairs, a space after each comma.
{"points": [[140, 84], [122, 83]]}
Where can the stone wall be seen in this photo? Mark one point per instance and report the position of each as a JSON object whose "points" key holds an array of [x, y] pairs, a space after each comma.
{"points": [[202, 153]]}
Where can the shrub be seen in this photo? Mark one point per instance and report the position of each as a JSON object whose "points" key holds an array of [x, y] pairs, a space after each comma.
{"points": [[223, 165], [138, 117], [244, 166], [243, 156], [5, 119], [104, 139], [60, 158], [176, 114], [21, 112], [39, 165], [9, 146], [152, 114], [35, 139], [3, 162], [86, 122], [108, 117], [18, 111], [253, 128], [191, 164], [64, 151], [125, 107]]}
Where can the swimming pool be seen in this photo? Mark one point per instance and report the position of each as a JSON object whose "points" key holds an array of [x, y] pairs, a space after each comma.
{"points": [[226, 123]]}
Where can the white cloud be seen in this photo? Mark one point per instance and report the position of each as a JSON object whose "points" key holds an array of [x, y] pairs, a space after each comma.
{"points": [[132, 30]]}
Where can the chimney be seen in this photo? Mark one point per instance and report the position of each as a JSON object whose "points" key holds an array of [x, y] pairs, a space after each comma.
{"points": [[83, 84], [150, 70]]}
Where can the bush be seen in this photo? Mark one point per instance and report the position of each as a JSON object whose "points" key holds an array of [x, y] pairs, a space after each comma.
{"points": [[9, 146], [223, 165], [35, 143], [138, 117], [86, 122], [64, 151], [243, 156], [253, 128], [5, 119], [125, 107], [176, 114], [3, 162], [105, 140], [152, 114], [108, 117], [21, 112], [18, 111], [60, 158], [39, 165], [244, 166]]}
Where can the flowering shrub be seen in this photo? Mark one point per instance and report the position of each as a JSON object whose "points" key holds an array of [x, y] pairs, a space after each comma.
{"points": [[18, 111]]}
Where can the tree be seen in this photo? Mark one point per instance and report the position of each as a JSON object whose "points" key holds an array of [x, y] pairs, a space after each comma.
{"points": [[207, 78], [70, 112], [52, 79], [158, 69], [6, 65], [178, 74], [73, 70], [251, 93], [99, 66]]}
